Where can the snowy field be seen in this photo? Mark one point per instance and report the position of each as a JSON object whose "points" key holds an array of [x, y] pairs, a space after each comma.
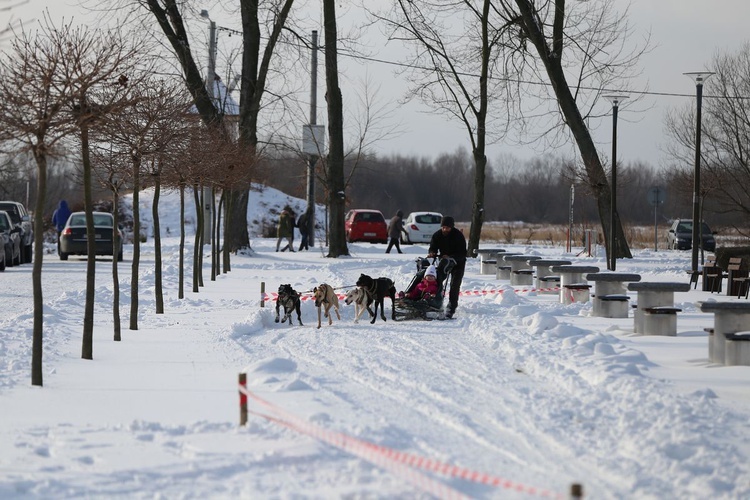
{"points": [[520, 396]]}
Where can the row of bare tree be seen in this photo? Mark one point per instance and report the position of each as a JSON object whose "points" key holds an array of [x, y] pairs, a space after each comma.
{"points": [[93, 94]]}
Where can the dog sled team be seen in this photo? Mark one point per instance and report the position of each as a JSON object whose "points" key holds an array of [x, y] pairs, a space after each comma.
{"points": [[422, 299]]}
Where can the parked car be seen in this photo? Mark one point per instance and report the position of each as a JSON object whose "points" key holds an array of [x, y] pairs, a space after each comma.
{"points": [[73, 235], [680, 236], [366, 225], [10, 240], [420, 226], [21, 217]]}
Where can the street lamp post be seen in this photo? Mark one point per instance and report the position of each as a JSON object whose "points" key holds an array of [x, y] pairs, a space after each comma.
{"points": [[212, 39], [615, 100], [699, 77]]}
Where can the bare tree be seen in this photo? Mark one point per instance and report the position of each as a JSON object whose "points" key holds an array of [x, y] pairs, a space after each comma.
{"points": [[455, 74], [256, 62], [100, 66], [33, 104], [335, 161], [588, 37]]}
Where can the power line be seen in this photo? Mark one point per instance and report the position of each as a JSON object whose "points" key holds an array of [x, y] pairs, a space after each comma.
{"points": [[354, 55]]}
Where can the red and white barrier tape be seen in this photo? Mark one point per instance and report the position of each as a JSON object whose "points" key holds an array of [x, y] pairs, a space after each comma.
{"points": [[469, 293], [395, 460]]}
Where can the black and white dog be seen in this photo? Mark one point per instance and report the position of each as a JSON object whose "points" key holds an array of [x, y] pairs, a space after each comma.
{"points": [[378, 289], [288, 299], [361, 300]]}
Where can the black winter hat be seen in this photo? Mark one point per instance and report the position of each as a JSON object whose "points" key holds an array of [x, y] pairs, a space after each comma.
{"points": [[447, 221]]}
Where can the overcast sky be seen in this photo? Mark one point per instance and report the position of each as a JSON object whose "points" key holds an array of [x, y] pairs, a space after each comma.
{"points": [[686, 34]]}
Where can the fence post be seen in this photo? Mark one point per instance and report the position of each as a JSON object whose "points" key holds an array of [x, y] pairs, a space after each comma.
{"points": [[576, 491], [243, 398], [262, 294]]}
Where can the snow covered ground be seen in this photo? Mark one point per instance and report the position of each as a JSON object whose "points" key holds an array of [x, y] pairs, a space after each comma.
{"points": [[518, 397]]}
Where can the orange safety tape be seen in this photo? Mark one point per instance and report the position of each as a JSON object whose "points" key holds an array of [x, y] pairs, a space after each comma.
{"points": [[350, 443]]}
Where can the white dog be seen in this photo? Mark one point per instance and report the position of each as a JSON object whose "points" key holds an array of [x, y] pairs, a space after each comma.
{"points": [[362, 301]]}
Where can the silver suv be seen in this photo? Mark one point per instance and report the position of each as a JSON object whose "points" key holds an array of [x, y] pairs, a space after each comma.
{"points": [[20, 217]]}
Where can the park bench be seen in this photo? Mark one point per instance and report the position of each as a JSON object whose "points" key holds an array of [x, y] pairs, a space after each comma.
{"points": [[545, 281], [655, 313], [736, 275], [503, 267], [610, 295], [488, 259], [728, 339], [573, 286], [520, 270]]}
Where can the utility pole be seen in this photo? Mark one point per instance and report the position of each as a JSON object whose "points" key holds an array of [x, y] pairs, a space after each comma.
{"points": [[313, 160], [210, 87]]}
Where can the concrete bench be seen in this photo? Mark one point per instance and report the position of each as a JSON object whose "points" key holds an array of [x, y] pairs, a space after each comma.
{"points": [[737, 349], [487, 259], [729, 318], [660, 320], [503, 267], [654, 294], [610, 295], [520, 271], [545, 281], [488, 266], [573, 286]]}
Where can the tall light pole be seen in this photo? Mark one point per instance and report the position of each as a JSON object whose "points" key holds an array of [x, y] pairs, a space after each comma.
{"points": [[212, 39], [699, 77], [210, 87], [615, 100]]}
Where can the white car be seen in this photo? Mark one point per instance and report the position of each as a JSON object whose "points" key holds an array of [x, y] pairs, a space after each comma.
{"points": [[420, 226]]}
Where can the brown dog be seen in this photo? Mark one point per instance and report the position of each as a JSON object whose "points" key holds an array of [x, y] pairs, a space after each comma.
{"points": [[326, 298]]}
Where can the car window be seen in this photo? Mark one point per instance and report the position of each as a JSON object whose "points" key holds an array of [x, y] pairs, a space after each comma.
{"points": [[429, 219], [705, 229], [685, 227], [102, 220], [4, 223], [77, 220], [369, 217], [12, 210]]}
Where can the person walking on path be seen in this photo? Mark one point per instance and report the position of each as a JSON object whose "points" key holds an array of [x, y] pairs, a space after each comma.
{"points": [[59, 218], [395, 228], [285, 230], [304, 230], [450, 242]]}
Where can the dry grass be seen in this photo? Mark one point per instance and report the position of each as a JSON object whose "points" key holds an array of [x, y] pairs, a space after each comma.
{"points": [[639, 237]]}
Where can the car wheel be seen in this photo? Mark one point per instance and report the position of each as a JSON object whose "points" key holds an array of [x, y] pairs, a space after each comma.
{"points": [[2, 263], [27, 254], [18, 259], [119, 256], [63, 256]]}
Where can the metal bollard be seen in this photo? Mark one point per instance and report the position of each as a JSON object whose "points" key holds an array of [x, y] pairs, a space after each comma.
{"points": [[262, 294], [243, 398]]}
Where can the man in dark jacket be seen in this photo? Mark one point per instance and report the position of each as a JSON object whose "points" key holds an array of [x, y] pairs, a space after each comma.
{"points": [[395, 228], [450, 242]]}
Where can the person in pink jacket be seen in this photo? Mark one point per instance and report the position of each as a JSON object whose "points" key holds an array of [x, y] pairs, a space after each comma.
{"points": [[426, 288]]}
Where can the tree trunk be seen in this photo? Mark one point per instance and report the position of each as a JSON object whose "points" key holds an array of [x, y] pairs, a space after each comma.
{"points": [[37, 341], [115, 275], [87, 350], [158, 285], [181, 265], [197, 242], [136, 243], [597, 179], [335, 164]]}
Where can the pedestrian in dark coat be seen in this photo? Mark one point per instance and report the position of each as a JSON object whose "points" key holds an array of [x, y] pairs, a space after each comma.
{"points": [[304, 230], [60, 215], [395, 228], [285, 230], [450, 242]]}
